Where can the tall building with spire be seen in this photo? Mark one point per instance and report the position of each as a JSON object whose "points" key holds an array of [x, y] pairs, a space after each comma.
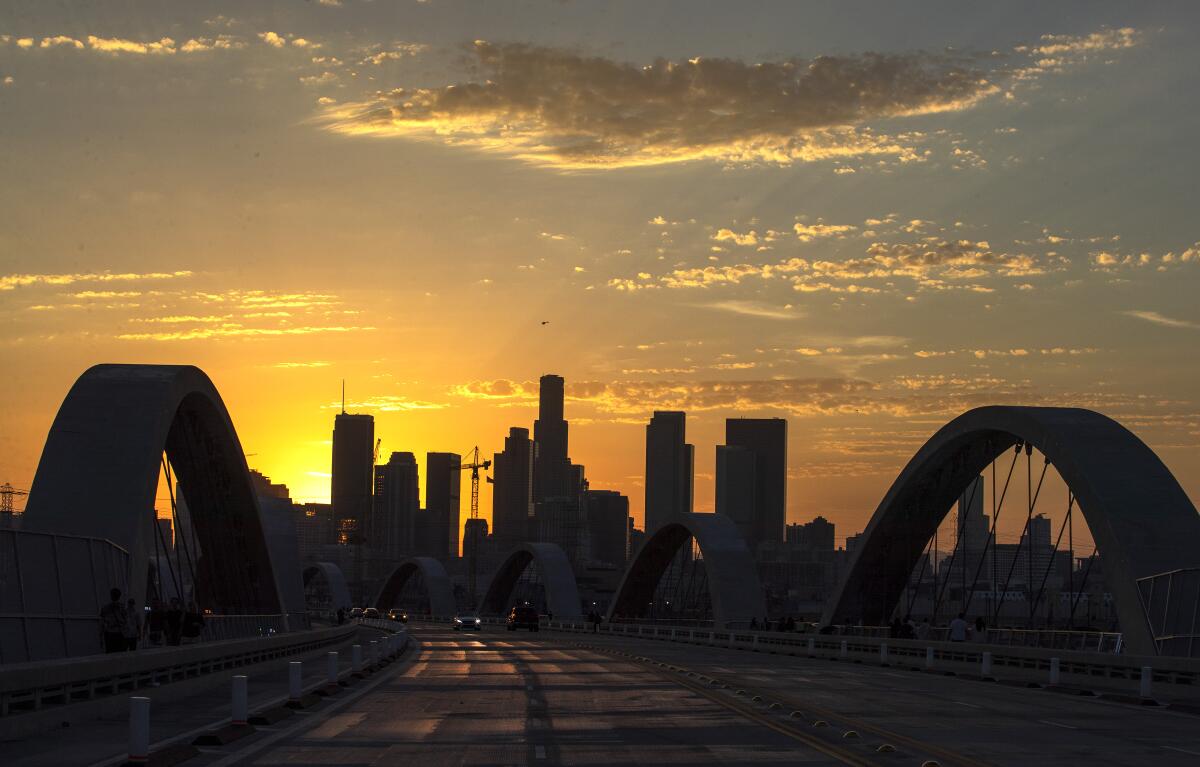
{"points": [[353, 471], [669, 468]]}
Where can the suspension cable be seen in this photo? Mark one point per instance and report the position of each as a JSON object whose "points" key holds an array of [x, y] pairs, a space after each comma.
{"points": [[1050, 562], [996, 509], [957, 543], [1021, 541]]}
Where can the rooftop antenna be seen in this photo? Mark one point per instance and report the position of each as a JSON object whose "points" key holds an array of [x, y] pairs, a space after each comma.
{"points": [[343, 396]]}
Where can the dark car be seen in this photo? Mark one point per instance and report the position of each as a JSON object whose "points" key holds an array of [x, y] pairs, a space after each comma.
{"points": [[370, 612], [467, 622], [398, 615], [522, 618]]}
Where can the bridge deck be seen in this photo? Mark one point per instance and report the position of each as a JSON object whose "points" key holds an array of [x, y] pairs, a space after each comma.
{"points": [[578, 699]]}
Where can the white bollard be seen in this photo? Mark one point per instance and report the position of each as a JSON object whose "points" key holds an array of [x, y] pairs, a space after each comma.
{"points": [[356, 658], [241, 707], [845, 649], [1054, 676], [928, 657], [331, 668], [812, 646], [883, 656], [691, 635], [986, 664], [294, 679], [139, 729], [1145, 689]]}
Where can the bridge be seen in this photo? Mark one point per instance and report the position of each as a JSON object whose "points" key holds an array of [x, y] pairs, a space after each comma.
{"points": [[631, 688]]}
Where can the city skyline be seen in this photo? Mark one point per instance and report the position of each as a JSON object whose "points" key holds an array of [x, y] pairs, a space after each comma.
{"points": [[775, 266]]}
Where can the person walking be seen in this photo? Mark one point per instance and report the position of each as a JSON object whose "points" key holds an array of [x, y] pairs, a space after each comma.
{"points": [[155, 623], [132, 631], [958, 629], [980, 630], [922, 630], [112, 622], [174, 622]]}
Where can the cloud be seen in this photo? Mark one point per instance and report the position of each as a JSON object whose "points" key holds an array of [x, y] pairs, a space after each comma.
{"points": [[272, 39], [1159, 319], [11, 281], [116, 45], [728, 235], [387, 403], [63, 40], [808, 233], [562, 109], [236, 330], [754, 309], [290, 365]]}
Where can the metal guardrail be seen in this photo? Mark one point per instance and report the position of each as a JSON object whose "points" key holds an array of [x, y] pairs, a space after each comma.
{"points": [[1172, 670], [1050, 639], [34, 685]]}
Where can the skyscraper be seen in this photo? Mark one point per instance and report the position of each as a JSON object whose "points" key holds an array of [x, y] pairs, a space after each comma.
{"points": [[512, 491], [767, 439], [475, 533], [352, 474], [737, 476], [392, 532], [443, 478], [554, 477], [669, 462], [607, 514]]}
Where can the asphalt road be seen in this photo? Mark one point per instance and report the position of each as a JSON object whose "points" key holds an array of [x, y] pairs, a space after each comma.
{"points": [[501, 698]]}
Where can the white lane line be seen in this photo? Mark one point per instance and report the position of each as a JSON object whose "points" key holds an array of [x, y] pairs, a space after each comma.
{"points": [[1183, 750], [964, 703], [539, 752], [1058, 724]]}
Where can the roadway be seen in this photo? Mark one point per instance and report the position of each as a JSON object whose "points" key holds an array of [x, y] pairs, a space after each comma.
{"points": [[500, 698]]}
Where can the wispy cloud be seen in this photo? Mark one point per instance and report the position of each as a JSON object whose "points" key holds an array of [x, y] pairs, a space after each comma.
{"points": [[11, 281], [755, 309], [234, 330], [1158, 319]]}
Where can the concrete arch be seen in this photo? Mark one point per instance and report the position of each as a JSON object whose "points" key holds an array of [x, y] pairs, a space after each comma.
{"points": [[1140, 518], [334, 579], [562, 592], [100, 466], [437, 586], [737, 594]]}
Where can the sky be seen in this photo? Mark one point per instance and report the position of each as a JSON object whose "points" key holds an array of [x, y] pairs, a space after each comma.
{"points": [[865, 217]]}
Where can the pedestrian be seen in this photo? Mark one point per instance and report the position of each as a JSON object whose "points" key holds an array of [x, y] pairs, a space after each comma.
{"points": [[958, 629], [112, 622], [132, 631], [922, 630], [896, 629], [754, 624], [980, 630], [193, 624], [155, 623], [341, 615], [174, 622]]}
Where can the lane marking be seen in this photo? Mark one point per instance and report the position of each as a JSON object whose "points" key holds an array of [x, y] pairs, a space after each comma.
{"points": [[539, 752], [964, 703], [1183, 750], [1058, 724]]}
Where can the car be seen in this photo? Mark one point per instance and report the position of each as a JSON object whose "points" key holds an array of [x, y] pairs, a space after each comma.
{"points": [[398, 615], [355, 613], [522, 618], [370, 612], [467, 621]]}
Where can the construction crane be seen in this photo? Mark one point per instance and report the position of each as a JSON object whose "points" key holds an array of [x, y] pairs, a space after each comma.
{"points": [[7, 493], [473, 554], [375, 455]]}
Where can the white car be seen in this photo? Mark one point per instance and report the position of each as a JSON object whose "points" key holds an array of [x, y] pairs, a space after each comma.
{"points": [[464, 621]]}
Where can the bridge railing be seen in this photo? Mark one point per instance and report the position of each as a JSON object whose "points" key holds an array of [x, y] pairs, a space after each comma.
{"points": [[1051, 639], [913, 652], [34, 685]]}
